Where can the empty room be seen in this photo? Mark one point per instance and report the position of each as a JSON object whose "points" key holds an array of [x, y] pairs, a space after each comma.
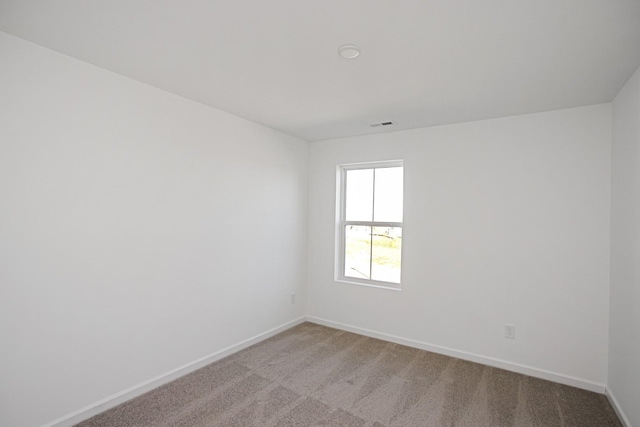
{"points": [[320, 213]]}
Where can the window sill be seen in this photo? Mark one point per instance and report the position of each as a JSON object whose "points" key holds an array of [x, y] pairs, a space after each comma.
{"points": [[370, 284]]}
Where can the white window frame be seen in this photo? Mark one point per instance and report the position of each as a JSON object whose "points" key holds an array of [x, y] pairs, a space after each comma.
{"points": [[342, 223]]}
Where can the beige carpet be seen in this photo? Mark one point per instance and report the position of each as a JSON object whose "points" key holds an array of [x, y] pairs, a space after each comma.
{"points": [[312, 375]]}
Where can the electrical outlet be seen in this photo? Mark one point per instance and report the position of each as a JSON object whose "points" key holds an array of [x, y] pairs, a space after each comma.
{"points": [[510, 332], [293, 299]]}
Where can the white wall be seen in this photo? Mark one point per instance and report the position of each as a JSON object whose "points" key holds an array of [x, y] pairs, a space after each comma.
{"points": [[506, 221], [624, 335], [139, 231]]}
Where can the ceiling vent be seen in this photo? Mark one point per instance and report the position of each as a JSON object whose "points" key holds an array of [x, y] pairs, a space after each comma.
{"points": [[375, 125]]}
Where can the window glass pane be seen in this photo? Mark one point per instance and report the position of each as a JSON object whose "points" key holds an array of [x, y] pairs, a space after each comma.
{"points": [[388, 194], [359, 197], [387, 244], [357, 259]]}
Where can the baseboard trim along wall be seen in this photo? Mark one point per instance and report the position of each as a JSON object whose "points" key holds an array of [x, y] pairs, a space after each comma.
{"points": [[616, 407], [139, 389], [472, 357]]}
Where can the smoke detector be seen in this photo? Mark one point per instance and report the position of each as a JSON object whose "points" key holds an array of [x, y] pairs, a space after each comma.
{"points": [[349, 51]]}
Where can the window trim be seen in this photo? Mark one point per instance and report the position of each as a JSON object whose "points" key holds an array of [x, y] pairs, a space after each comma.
{"points": [[342, 223]]}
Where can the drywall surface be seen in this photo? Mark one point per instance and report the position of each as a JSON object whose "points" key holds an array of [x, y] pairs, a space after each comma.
{"points": [[624, 336], [506, 221], [139, 232]]}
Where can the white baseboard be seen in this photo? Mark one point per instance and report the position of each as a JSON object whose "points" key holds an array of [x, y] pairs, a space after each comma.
{"points": [[472, 357], [139, 389], [616, 407]]}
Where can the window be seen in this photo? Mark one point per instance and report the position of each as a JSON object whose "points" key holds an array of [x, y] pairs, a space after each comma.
{"points": [[369, 234]]}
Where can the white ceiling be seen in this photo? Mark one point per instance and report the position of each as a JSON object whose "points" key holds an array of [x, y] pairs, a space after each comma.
{"points": [[423, 62]]}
